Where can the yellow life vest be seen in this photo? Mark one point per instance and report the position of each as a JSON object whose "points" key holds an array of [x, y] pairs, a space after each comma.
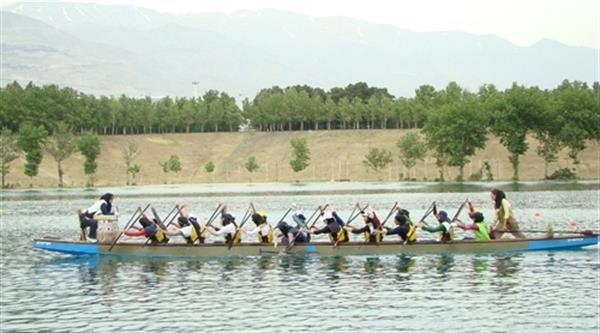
{"points": [[194, 235], [235, 239], [340, 237], [448, 235], [368, 234], [411, 235], [160, 236], [266, 239]]}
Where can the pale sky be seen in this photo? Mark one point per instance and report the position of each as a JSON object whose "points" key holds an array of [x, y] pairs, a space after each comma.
{"points": [[573, 22]]}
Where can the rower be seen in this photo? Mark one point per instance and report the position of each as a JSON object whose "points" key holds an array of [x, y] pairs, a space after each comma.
{"points": [[263, 230], [405, 229], [333, 227], [445, 228], [288, 235], [152, 229], [86, 218], [372, 223], [479, 226], [188, 227], [228, 228]]}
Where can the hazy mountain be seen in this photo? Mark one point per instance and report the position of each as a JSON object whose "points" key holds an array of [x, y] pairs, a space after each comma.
{"points": [[249, 50]]}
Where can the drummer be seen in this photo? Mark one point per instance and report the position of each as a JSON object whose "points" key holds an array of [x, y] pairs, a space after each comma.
{"points": [[104, 206]]}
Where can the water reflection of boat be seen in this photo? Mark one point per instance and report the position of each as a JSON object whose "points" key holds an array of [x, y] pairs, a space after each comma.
{"points": [[321, 248]]}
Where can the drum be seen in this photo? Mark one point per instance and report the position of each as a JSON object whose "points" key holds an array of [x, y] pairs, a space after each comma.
{"points": [[107, 231]]}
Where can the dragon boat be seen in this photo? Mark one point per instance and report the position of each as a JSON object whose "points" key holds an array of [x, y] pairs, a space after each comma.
{"points": [[220, 249]]}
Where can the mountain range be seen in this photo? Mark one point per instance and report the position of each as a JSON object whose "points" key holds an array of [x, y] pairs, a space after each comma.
{"points": [[114, 49]]}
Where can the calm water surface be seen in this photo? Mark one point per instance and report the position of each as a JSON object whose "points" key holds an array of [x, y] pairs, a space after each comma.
{"points": [[528, 292]]}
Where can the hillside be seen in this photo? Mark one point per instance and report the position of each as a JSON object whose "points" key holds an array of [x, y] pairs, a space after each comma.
{"points": [[116, 49], [335, 155]]}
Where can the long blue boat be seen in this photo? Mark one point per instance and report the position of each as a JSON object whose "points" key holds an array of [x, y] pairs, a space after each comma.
{"points": [[219, 249]]}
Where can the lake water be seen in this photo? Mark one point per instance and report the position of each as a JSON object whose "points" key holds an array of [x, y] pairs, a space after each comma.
{"points": [[527, 292]]}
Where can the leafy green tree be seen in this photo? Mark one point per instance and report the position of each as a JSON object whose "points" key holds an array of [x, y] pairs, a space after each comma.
{"points": [[30, 141], [89, 146], [173, 164], [513, 115], [60, 146], [8, 152], [129, 152], [377, 159], [411, 149], [457, 129], [209, 167], [251, 164], [300, 154], [578, 110]]}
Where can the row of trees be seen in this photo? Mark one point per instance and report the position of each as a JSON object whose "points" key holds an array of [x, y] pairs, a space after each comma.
{"points": [[49, 105], [458, 122]]}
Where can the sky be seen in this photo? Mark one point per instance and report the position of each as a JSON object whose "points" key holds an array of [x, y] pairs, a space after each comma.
{"points": [[524, 22]]}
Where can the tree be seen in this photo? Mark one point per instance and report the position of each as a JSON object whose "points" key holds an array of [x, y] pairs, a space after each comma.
{"points": [[251, 165], [129, 152], [89, 146], [8, 152], [411, 149], [60, 146], [514, 113], [209, 167], [30, 140], [300, 154], [171, 165], [547, 133], [134, 170], [377, 159], [456, 130]]}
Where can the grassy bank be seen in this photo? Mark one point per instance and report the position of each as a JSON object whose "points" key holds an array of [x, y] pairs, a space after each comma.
{"points": [[335, 155]]}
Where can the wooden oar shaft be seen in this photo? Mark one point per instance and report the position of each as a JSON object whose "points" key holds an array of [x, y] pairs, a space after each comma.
{"points": [[389, 214], [131, 221], [322, 211], [459, 210], [213, 216]]}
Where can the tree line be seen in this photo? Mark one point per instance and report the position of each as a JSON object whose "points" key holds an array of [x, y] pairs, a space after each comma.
{"points": [[454, 122]]}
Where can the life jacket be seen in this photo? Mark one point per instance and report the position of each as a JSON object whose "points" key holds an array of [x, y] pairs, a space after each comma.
{"points": [[197, 232], [266, 239], [372, 237], [447, 235], [411, 235], [152, 232], [341, 235], [482, 233]]}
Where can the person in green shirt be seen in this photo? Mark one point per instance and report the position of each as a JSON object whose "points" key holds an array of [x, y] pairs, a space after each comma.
{"points": [[479, 226], [445, 228]]}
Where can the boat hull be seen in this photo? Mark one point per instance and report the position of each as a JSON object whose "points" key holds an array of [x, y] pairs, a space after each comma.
{"points": [[326, 249]]}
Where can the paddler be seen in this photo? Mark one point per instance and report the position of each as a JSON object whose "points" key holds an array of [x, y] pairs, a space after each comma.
{"points": [[152, 228], [405, 228], [445, 227], [479, 226], [289, 235], [333, 227], [505, 217], [262, 229], [369, 230], [188, 227], [228, 229]]}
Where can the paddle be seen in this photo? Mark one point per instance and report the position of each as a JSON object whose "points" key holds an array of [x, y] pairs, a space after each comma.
{"points": [[459, 210], [213, 216], [388, 215], [322, 212], [161, 222], [427, 212], [587, 232], [127, 225], [352, 218]]}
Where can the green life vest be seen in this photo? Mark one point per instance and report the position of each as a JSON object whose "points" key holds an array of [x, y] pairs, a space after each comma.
{"points": [[481, 233]]}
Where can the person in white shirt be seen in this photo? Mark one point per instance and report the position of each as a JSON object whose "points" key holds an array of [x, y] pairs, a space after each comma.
{"points": [[102, 207], [228, 229], [263, 230]]}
